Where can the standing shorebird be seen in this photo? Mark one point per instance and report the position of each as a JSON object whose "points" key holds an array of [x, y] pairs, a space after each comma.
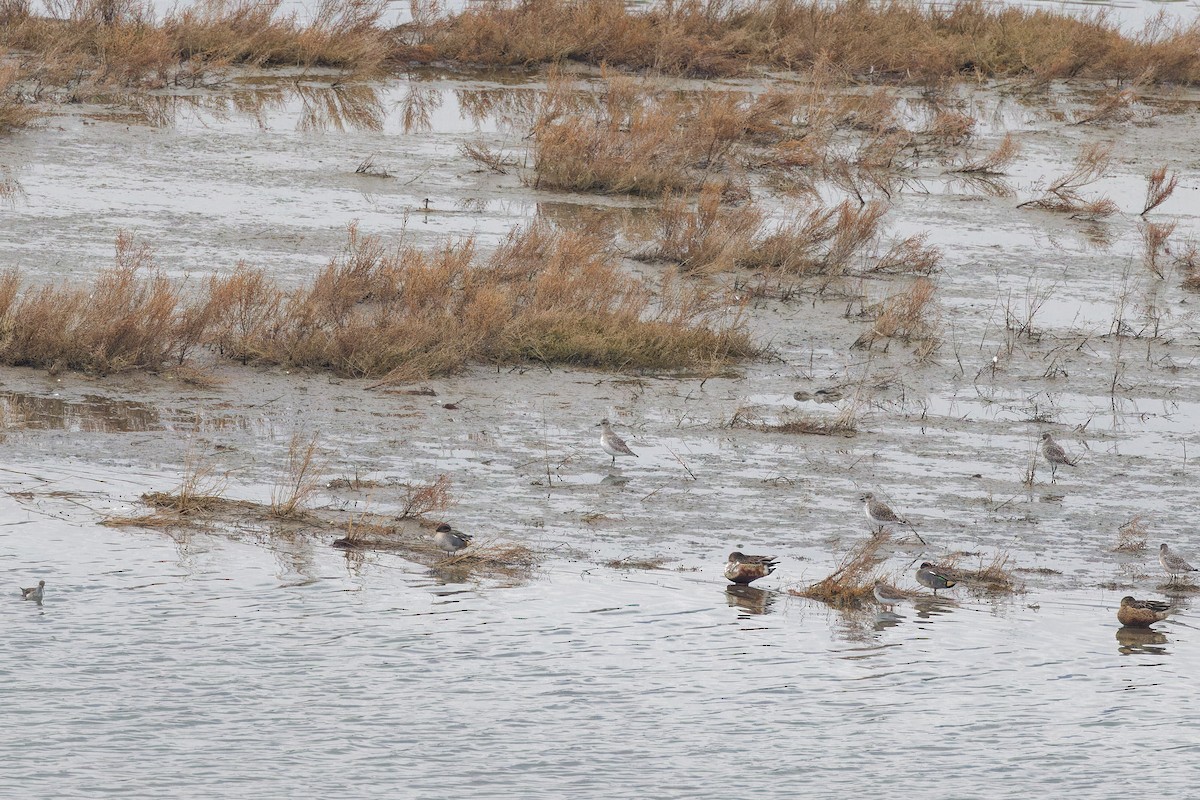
{"points": [[1142, 613], [34, 593], [612, 444], [745, 569], [934, 577], [450, 540], [880, 514], [1173, 563], [1055, 454], [887, 595]]}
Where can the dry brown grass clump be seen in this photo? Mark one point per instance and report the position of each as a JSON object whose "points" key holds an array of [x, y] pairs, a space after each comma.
{"points": [[908, 315], [397, 313], [1063, 194], [903, 40], [300, 480], [854, 579], [992, 577], [633, 139], [1131, 536], [85, 45], [424, 498], [844, 423], [15, 109]]}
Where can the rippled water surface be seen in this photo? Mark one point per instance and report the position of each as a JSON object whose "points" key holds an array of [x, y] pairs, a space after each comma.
{"points": [[200, 665]]}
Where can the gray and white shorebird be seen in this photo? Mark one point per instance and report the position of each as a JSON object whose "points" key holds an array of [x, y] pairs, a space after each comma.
{"points": [[1142, 613], [745, 569], [887, 595], [880, 514], [450, 540], [1174, 564], [934, 577], [612, 444], [1055, 454], [34, 593]]}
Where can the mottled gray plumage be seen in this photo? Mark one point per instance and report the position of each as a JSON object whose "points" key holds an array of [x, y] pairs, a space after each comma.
{"points": [[880, 514], [612, 444], [1174, 564], [886, 594], [1055, 454]]}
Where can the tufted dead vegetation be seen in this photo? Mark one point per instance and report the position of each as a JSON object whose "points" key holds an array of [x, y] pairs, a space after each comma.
{"points": [[1113, 106], [1063, 196], [1156, 238], [393, 312], [992, 163], [899, 40], [635, 562], [843, 423], [420, 499], [908, 316], [987, 577], [1160, 185], [301, 477], [853, 581], [89, 45], [1187, 260], [1132, 535]]}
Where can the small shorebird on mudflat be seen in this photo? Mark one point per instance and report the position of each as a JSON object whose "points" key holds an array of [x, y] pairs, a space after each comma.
{"points": [[34, 593], [1055, 454], [744, 569], [934, 577], [887, 595], [612, 444], [1174, 564], [1142, 613], [450, 540], [880, 514]]}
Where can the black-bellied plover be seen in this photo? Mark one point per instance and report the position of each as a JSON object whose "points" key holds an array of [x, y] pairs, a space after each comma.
{"points": [[934, 577], [745, 569], [1055, 454], [887, 595], [880, 514], [1142, 613], [450, 540], [612, 444], [1174, 564], [34, 593]]}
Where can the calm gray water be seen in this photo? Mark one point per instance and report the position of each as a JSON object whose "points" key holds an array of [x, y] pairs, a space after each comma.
{"points": [[208, 667]]}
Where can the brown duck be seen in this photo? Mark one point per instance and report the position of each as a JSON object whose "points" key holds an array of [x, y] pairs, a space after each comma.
{"points": [[743, 568], [1142, 613]]}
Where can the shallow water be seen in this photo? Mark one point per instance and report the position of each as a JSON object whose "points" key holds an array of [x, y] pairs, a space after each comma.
{"points": [[217, 668], [256, 661]]}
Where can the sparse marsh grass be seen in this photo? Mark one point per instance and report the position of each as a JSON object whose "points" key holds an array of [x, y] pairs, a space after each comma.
{"points": [[392, 312], [908, 315], [1063, 195], [843, 423], [301, 477], [1131, 536], [987, 577], [853, 581], [425, 498]]}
